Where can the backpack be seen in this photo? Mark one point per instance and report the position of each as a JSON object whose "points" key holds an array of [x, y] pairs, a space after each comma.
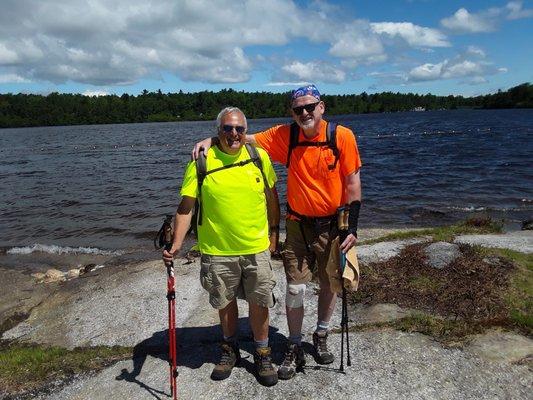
{"points": [[202, 172], [331, 142]]}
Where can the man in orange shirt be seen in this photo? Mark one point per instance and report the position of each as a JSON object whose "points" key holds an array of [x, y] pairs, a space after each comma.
{"points": [[319, 180]]}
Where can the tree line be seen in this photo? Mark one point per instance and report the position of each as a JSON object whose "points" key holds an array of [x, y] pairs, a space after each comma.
{"points": [[18, 110]]}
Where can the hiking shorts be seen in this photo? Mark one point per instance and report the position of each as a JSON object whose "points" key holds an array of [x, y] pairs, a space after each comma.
{"points": [[302, 263], [248, 277]]}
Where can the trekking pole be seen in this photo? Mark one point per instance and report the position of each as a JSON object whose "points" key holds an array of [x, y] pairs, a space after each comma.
{"points": [[164, 237], [342, 224]]}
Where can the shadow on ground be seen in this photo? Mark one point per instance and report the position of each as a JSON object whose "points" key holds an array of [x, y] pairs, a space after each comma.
{"points": [[195, 347]]}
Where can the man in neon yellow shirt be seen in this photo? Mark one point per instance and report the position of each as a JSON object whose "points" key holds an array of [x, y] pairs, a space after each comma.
{"points": [[239, 206]]}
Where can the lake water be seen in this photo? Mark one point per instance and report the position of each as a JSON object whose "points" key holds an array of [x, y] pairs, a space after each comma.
{"points": [[101, 191]]}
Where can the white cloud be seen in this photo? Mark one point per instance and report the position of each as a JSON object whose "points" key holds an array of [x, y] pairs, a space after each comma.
{"points": [[355, 43], [475, 51], [458, 67], [476, 80], [13, 78], [103, 43], [292, 84], [117, 43], [388, 78], [97, 93], [426, 72], [463, 21], [315, 71], [414, 35], [106, 43], [486, 20], [463, 68], [231, 67], [516, 11], [7, 56]]}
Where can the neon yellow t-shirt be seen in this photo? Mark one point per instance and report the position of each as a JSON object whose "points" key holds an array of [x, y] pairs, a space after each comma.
{"points": [[234, 213]]}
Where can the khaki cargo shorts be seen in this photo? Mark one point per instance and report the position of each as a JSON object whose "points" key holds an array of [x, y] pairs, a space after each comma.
{"points": [[301, 264], [248, 277]]}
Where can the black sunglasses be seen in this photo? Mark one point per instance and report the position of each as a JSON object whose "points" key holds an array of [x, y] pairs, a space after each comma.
{"points": [[229, 128], [308, 107]]}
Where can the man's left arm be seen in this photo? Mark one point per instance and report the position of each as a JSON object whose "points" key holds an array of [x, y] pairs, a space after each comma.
{"points": [[353, 197]]}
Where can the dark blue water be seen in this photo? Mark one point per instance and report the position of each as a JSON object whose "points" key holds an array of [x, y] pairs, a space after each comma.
{"points": [[107, 187]]}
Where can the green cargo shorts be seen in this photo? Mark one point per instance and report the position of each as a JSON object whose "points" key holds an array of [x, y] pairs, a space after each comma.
{"points": [[248, 277]]}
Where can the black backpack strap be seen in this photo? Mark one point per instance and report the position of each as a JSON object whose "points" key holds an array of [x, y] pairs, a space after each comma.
{"points": [[201, 173], [331, 138], [293, 141], [331, 142]]}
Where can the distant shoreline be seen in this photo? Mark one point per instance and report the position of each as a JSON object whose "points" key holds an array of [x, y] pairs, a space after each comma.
{"points": [[288, 118], [55, 109]]}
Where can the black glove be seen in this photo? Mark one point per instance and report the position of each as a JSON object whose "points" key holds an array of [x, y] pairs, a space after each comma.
{"points": [[353, 217]]}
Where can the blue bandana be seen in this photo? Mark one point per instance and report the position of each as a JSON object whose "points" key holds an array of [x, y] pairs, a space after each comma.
{"points": [[309, 90]]}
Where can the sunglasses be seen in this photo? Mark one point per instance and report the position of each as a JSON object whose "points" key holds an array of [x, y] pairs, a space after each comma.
{"points": [[229, 128], [308, 107]]}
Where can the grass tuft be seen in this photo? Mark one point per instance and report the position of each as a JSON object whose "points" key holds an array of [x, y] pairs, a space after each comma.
{"points": [[519, 296], [476, 225], [25, 368]]}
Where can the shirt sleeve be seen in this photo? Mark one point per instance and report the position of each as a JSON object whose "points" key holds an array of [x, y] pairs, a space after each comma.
{"points": [[349, 159], [275, 141], [268, 169], [190, 181]]}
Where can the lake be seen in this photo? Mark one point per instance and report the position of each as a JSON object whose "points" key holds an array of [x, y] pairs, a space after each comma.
{"points": [[106, 188]]}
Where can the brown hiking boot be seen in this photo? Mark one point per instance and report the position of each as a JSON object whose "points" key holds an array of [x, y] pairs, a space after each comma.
{"points": [[320, 342], [266, 374], [294, 360], [229, 358]]}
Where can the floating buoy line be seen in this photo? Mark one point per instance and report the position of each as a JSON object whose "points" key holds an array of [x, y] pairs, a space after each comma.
{"points": [[115, 146]]}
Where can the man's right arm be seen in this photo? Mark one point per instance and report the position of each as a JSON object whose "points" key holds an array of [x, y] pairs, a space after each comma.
{"points": [[207, 143], [182, 222]]}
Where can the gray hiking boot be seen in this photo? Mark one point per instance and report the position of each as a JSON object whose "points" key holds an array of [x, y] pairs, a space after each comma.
{"points": [[320, 342], [229, 358], [294, 360], [266, 374]]}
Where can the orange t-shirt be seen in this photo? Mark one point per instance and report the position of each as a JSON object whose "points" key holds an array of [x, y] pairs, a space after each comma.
{"points": [[313, 190]]}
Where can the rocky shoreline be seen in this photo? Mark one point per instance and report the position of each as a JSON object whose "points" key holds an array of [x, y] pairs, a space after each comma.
{"points": [[126, 306]]}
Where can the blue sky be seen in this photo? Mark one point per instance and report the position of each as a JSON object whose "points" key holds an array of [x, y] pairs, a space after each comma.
{"points": [[125, 46]]}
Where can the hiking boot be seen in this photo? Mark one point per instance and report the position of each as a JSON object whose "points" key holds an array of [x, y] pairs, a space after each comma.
{"points": [[294, 360], [229, 358], [320, 342], [266, 374]]}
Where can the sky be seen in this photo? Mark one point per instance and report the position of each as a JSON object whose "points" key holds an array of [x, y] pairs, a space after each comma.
{"points": [[97, 47]]}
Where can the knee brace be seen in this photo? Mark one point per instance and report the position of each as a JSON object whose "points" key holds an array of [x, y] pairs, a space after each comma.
{"points": [[295, 295]]}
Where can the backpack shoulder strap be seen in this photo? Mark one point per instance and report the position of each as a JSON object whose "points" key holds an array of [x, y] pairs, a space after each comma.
{"points": [[201, 173], [331, 139], [256, 158], [293, 141], [201, 169]]}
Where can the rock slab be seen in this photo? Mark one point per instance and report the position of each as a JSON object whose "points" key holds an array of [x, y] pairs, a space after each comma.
{"points": [[441, 254], [521, 241]]}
